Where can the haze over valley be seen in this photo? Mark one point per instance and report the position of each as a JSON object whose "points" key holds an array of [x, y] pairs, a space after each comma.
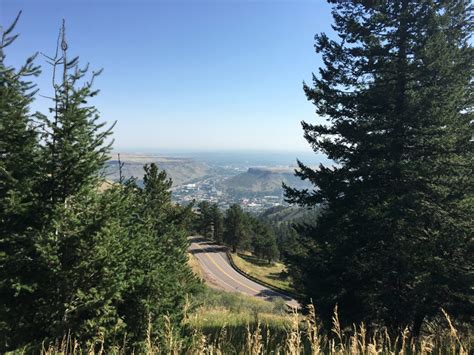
{"points": [[250, 179]]}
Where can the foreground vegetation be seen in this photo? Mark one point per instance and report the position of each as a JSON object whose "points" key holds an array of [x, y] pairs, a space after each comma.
{"points": [[219, 322], [236, 330], [79, 255], [393, 241], [226, 323]]}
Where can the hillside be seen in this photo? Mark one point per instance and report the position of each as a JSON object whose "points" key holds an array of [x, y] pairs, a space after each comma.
{"points": [[285, 214], [181, 170], [263, 181]]}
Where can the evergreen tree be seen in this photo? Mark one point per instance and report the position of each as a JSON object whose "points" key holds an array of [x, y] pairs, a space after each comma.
{"points": [[263, 242], [205, 219], [80, 244], [19, 138], [19, 214], [76, 257], [159, 274], [76, 147], [237, 234], [394, 238], [286, 239], [210, 221], [85, 251], [217, 224]]}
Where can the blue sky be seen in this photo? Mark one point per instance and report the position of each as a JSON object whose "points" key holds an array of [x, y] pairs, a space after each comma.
{"points": [[186, 75]]}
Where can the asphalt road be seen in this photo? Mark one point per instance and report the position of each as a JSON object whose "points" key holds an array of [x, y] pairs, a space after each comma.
{"points": [[219, 273]]}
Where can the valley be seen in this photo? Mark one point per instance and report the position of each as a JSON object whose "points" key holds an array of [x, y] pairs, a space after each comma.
{"points": [[247, 182]]}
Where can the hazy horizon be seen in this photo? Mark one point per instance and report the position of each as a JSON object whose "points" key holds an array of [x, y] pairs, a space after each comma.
{"points": [[241, 157]]}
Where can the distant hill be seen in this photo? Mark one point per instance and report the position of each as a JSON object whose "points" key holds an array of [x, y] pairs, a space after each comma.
{"points": [[181, 170], [283, 213], [288, 214], [263, 181]]}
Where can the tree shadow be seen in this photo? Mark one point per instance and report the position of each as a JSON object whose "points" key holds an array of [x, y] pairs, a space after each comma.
{"points": [[272, 295], [210, 247], [276, 276]]}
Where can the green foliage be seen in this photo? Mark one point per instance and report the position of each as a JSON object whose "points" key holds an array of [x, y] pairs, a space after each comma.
{"points": [[394, 238], [159, 276], [85, 255], [19, 179], [284, 222], [210, 221], [263, 242], [238, 229], [204, 219], [237, 234], [217, 224], [74, 139], [76, 257]]}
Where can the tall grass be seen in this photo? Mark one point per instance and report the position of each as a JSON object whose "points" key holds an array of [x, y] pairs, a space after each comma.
{"points": [[296, 334]]}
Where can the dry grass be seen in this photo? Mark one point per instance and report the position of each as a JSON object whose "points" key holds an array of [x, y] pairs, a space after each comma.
{"points": [[195, 266], [105, 185], [267, 272], [301, 335]]}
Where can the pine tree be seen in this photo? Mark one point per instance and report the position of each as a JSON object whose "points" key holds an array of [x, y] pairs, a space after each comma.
{"points": [[78, 258], [76, 146], [394, 238], [264, 242], [80, 244], [85, 251], [205, 219], [19, 214], [217, 224], [159, 274], [237, 234], [210, 221]]}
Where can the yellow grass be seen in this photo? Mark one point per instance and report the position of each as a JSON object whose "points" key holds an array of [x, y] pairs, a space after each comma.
{"points": [[213, 331], [218, 322], [194, 265], [260, 269]]}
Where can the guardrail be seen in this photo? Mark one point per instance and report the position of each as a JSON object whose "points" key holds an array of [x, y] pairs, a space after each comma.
{"points": [[261, 282]]}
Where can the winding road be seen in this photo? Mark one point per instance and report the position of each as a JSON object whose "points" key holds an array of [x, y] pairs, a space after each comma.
{"points": [[218, 272]]}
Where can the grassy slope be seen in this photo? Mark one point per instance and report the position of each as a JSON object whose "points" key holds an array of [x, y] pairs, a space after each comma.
{"points": [[219, 322], [270, 273], [225, 315], [194, 264], [215, 313], [232, 308]]}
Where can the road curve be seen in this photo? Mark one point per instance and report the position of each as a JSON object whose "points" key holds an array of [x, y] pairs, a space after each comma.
{"points": [[218, 271]]}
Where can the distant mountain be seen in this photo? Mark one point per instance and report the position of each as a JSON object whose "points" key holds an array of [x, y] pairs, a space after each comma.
{"points": [[181, 170], [263, 181]]}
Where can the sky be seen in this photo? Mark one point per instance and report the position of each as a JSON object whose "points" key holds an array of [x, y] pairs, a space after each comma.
{"points": [[185, 75]]}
